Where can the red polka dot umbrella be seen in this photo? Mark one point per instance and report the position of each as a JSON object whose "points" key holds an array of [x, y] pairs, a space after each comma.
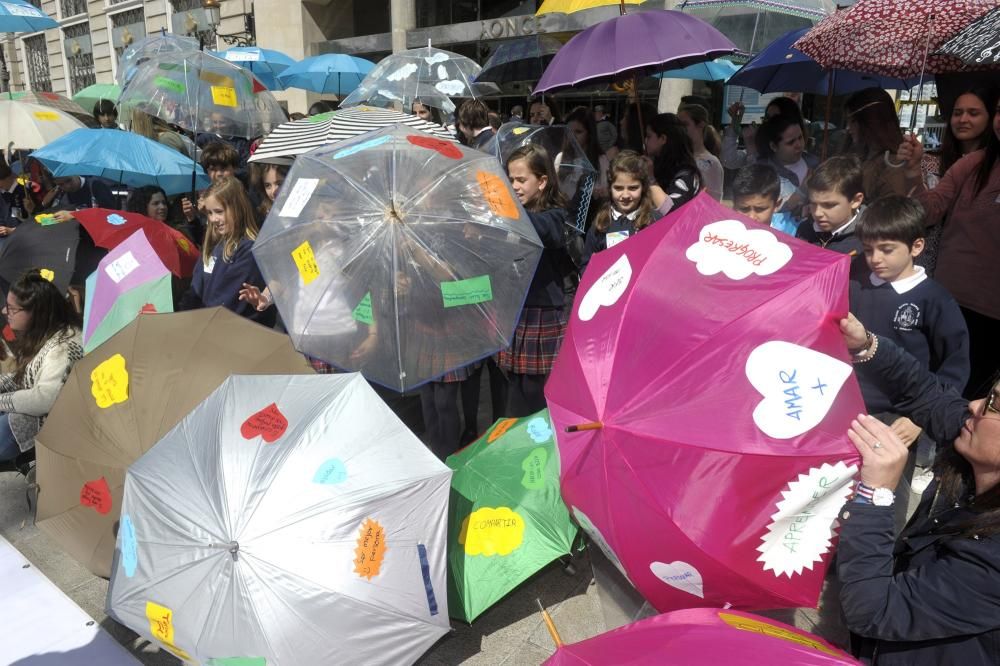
{"points": [[892, 37]]}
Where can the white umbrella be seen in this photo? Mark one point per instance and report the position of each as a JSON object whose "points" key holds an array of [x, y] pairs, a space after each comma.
{"points": [[289, 520], [30, 126]]}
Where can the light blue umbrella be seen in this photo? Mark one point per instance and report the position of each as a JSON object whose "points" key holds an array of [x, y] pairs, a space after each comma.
{"points": [[20, 16], [122, 157], [713, 70], [266, 64], [331, 73]]}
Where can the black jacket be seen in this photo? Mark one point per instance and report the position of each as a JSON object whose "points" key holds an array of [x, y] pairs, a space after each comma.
{"points": [[929, 597]]}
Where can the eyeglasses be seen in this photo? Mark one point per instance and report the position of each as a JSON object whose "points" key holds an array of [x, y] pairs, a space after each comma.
{"points": [[990, 403], [8, 310]]}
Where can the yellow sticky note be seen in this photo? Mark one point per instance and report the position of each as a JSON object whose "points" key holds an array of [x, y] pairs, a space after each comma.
{"points": [[306, 261], [109, 382], [161, 622], [47, 274], [488, 532], [46, 115], [224, 96], [758, 627]]}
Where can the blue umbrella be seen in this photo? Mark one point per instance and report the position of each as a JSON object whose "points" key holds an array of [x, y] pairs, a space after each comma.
{"points": [[266, 64], [331, 73], [713, 70], [20, 16], [122, 157], [780, 68]]}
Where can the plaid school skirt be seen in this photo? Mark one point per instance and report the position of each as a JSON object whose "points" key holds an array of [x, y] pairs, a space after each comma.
{"points": [[537, 339]]}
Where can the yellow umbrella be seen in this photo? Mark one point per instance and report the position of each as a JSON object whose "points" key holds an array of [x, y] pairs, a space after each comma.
{"points": [[570, 6]]}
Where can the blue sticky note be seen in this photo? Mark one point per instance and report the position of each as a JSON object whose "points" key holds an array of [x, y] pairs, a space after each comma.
{"points": [[128, 545], [116, 219], [539, 430], [331, 472], [364, 145]]}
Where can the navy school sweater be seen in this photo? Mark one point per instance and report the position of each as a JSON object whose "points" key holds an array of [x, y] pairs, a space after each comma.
{"points": [[924, 319], [546, 289], [221, 281], [844, 241]]}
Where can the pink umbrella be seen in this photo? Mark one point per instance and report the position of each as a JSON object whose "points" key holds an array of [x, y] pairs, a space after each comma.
{"points": [[701, 401], [701, 636]]}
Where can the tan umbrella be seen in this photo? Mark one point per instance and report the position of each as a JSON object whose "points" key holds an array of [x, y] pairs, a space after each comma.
{"points": [[122, 398]]}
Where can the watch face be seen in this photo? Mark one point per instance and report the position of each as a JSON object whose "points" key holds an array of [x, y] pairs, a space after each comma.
{"points": [[883, 497]]}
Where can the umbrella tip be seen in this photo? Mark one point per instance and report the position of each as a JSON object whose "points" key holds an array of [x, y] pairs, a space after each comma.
{"points": [[594, 425]]}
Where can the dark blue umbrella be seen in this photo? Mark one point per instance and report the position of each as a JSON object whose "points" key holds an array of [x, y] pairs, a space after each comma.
{"points": [[780, 68], [520, 59]]}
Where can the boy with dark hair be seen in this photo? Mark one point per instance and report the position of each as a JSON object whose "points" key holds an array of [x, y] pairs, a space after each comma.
{"points": [[220, 160], [757, 194], [474, 123], [895, 298], [836, 192]]}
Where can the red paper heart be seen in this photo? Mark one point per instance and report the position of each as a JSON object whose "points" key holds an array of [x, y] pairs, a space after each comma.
{"points": [[148, 308], [96, 494], [446, 148], [269, 423]]}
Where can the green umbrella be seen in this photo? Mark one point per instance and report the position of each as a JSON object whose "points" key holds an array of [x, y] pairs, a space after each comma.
{"points": [[91, 95], [506, 517]]}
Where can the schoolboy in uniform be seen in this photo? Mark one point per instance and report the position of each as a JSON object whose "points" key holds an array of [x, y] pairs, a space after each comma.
{"points": [[836, 193], [757, 194]]}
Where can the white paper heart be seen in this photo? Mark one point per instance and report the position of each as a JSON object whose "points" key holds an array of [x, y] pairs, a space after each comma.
{"points": [[681, 575], [799, 386], [730, 248], [607, 290]]}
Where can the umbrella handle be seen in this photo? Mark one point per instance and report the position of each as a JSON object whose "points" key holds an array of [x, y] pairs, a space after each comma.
{"points": [[550, 625], [580, 427]]}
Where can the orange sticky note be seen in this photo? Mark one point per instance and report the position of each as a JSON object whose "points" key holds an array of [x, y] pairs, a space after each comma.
{"points": [[500, 429], [758, 627], [161, 622], [305, 260], [371, 549], [497, 194]]}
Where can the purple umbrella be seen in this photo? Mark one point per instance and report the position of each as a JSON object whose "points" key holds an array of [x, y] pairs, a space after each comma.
{"points": [[641, 43]]}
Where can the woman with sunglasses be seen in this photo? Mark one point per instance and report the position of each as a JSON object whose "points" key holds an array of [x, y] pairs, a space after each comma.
{"points": [[930, 595], [46, 345]]}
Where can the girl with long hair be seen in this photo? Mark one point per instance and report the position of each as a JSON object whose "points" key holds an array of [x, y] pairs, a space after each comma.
{"points": [[266, 180], [581, 123], [47, 342], [705, 144], [630, 209], [873, 128], [542, 323], [675, 171], [148, 200], [227, 261]]}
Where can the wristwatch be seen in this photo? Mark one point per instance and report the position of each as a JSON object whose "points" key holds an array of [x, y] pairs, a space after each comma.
{"points": [[876, 496]]}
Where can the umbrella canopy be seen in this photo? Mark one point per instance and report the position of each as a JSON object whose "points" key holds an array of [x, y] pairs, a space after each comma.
{"points": [[633, 44], [577, 176], [399, 255], [55, 101], [286, 520], [151, 48], [30, 126], [124, 397], [265, 64], [748, 391], [520, 59], [427, 74], [892, 37], [130, 280], [752, 24], [111, 228], [510, 474], [712, 70], [300, 136], [570, 6], [698, 636], [330, 73], [976, 44], [91, 95], [45, 245], [782, 68], [20, 16], [193, 89], [121, 157]]}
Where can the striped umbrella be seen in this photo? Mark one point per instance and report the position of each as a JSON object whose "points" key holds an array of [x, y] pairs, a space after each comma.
{"points": [[301, 136]]}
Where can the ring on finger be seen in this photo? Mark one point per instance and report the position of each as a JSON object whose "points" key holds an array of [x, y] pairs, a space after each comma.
{"points": [[877, 444]]}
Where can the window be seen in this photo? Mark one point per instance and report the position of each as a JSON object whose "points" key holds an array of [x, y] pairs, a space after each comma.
{"points": [[36, 56], [72, 7], [127, 27], [79, 57]]}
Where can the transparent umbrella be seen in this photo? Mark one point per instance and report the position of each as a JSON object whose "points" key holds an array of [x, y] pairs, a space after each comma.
{"points": [[577, 176], [200, 92], [753, 24], [152, 47], [398, 254], [427, 74]]}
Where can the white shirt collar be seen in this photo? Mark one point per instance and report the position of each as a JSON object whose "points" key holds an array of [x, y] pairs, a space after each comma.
{"points": [[615, 215], [839, 231], [904, 285]]}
